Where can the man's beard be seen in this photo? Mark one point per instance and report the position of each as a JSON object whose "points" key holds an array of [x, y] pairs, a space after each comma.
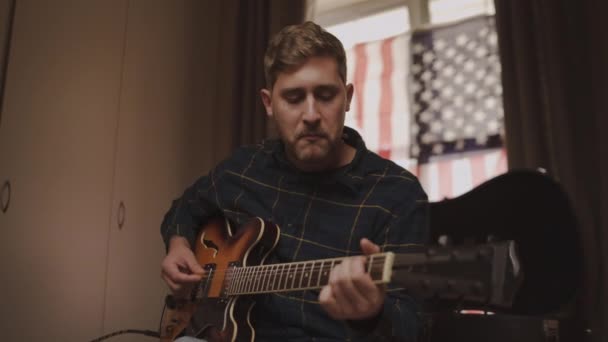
{"points": [[307, 152]]}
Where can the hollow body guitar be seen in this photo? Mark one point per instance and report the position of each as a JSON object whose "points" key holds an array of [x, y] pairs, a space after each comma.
{"points": [[219, 306]]}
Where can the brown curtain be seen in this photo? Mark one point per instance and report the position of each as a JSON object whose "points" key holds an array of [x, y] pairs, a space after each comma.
{"points": [[257, 22], [229, 38], [554, 55]]}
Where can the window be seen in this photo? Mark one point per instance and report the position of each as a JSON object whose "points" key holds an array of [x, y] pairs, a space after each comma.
{"points": [[377, 36]]}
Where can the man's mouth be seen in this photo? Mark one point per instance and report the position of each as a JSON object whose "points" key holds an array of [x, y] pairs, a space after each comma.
{"points": [[312, 137]]}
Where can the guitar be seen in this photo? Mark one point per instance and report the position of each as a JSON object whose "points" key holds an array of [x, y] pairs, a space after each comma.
{"points": [[220, 305]]}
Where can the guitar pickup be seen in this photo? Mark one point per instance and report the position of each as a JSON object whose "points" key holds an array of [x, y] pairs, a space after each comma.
{"points": [[202, 289]]}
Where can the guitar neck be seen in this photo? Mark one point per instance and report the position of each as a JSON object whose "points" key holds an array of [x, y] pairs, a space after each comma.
{"points": [[305, 275]]}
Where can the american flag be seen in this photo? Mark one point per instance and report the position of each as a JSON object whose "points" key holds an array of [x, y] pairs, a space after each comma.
{"points": [[431, 102], [456, 88]]}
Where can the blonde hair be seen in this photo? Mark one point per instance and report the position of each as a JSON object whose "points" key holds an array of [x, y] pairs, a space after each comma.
{"points": [[295, 44]]}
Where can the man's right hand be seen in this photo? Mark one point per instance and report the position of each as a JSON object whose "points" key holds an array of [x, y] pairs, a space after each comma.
{"points": [[179, 269]]}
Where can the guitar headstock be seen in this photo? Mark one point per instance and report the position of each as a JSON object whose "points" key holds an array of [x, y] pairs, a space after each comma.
{"points": [[488, 274]]}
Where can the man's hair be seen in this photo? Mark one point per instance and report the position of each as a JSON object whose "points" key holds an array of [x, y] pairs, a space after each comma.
{"points": [[295, 44]]}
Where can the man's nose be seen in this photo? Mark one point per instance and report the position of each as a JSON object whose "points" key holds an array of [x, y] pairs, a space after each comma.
{"points": [[311, 111]]}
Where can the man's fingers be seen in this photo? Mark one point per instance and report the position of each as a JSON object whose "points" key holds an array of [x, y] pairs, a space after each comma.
{"points": [[342, 288], [194, 266], [328, 302], [180, 272], [181, 277], [369, 247]]}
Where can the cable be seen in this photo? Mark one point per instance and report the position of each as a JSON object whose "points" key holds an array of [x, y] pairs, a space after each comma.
{"points": [[128, 331]]}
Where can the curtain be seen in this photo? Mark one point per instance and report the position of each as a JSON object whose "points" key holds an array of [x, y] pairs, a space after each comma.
{"points": [[229, 39], [256, 23], [554, 54]]}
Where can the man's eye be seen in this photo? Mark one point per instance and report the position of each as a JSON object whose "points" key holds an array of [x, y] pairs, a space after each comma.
{"points": [[326, 95], [293, 98]]}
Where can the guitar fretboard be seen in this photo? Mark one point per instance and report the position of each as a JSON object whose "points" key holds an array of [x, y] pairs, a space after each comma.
{"points": [[306, 275]]}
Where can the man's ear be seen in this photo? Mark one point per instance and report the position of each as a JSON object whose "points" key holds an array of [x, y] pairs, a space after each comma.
{"points": [[350, 89], [267, 101]]}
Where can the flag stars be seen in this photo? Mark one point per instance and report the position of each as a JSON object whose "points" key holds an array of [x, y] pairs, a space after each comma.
{"points": [[426, 95], [440, 44], [449, 135], [418, 48], [428, 57], [448, 71], [427, 76], [436, 126], [469, 65], [462, 39], [459, 79], [470, 88], [490, 103], [493, 127], [479, 116], [438, 148], [448, 91]]}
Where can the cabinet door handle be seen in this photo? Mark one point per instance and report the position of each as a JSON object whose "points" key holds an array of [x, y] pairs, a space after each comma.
{"points": [[5, 196], [122, 211]]}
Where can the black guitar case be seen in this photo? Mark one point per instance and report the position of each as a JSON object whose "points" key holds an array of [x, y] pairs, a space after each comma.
{"points": [[534, 210]]}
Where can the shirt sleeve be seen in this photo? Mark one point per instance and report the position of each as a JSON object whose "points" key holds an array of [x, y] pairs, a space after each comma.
{"points": [[189, 212], [407, 231]]}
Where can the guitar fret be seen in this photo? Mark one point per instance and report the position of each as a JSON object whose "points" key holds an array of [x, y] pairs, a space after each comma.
{"points": [[370, 263], [242, 280], [250, 280], [325, 272], [258, 279], [265, 275], [268, 273], [302, 272], [289, 277], [235, 280], [284, 276], [320, 272], [276, 280], [293, 276], [269, 270], [262, 275], [312, 268]]}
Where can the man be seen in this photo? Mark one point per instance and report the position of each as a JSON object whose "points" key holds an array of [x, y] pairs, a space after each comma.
{"points": [[330, 196]]}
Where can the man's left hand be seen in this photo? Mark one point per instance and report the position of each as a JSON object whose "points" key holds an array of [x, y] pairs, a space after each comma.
{"points": [[351, 294]]}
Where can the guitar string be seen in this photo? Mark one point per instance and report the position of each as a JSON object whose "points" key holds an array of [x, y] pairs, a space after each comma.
{"points": [[261, 275], [266, 268], [286, 268]]}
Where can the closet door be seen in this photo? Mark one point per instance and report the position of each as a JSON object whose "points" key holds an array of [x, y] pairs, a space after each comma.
{"points": [[151, 160], [57, 139]]}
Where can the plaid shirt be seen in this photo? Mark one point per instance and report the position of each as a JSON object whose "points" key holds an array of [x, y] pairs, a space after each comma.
{"points": [[321, 215]]}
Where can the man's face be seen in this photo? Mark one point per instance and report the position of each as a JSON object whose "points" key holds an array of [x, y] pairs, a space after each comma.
{"points": [[308, 105]]}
